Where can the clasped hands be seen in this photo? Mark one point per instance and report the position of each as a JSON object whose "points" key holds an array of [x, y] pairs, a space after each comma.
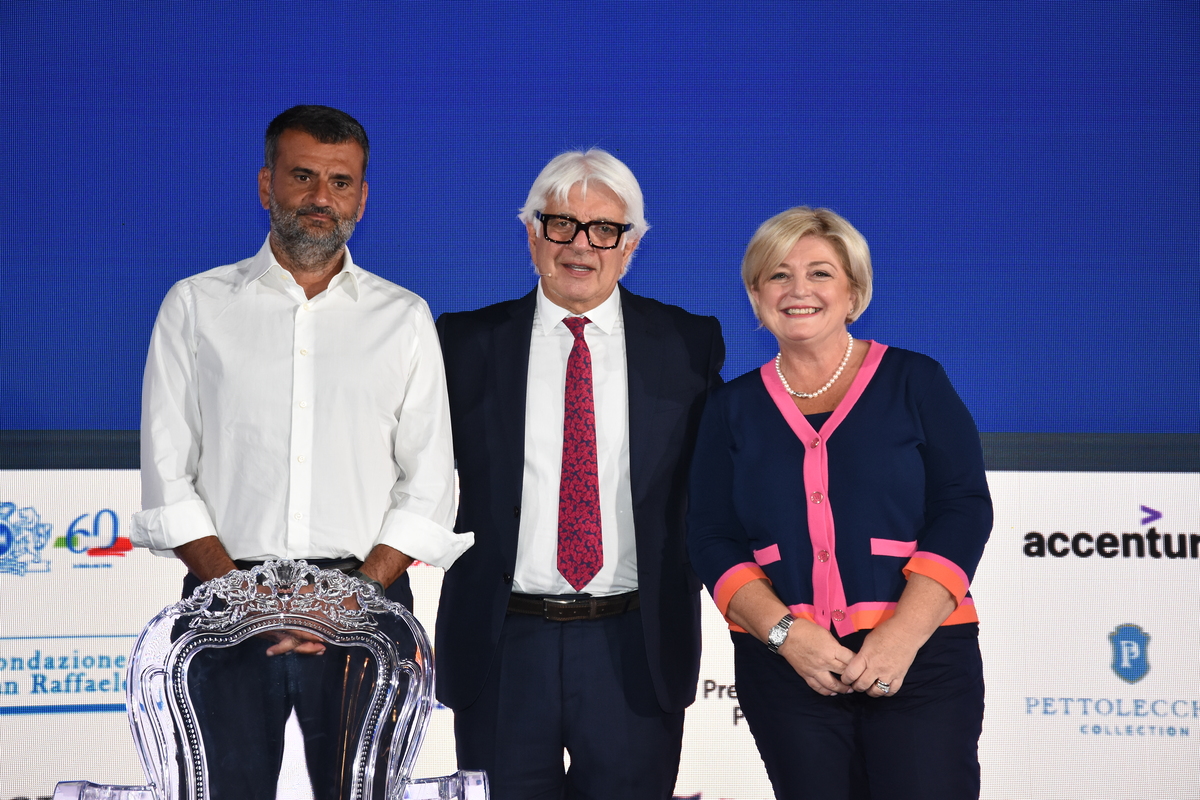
{"points": [[301, 642], [831, 669]]}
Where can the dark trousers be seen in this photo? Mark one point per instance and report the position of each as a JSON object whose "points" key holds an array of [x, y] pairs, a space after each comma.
{"points": [[921, 743], [584, 686], [243, 699]]}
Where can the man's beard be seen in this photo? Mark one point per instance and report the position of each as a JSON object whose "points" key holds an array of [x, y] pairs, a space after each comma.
{"points": [[306, 248]]}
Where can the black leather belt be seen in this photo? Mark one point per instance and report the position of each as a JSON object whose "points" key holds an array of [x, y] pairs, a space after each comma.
{"points": [[340, 564], [565, 609]]}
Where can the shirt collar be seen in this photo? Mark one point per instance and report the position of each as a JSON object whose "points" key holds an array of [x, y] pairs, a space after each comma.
{"points": [[265, 263], [605, 316]]}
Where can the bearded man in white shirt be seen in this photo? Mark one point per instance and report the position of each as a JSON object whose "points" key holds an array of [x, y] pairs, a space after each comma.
{"points": [[294, 406]]}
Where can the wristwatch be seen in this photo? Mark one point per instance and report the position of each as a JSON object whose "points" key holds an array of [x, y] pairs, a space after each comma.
{"points": [[369, 581], [777, 634]]}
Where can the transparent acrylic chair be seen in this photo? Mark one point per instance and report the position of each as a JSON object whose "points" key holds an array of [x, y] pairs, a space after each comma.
{"points": [[384, 718]]}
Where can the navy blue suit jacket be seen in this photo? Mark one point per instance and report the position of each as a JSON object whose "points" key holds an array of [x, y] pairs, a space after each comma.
{"points": [[674, 359]]}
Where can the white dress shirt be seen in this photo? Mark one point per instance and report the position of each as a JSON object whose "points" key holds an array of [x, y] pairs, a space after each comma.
{"points": [[537, 548], [296, 428]]}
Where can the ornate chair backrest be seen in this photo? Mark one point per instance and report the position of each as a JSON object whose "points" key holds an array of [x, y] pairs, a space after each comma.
{"points": [[386, 731]]}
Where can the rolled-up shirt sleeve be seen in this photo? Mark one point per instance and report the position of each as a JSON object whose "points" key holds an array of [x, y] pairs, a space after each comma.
{"points": [[174, 513], [420, 518]]}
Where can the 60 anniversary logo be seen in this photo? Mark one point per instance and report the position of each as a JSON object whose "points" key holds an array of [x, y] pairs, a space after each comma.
{"points": [[24, 537], [95, 534]]}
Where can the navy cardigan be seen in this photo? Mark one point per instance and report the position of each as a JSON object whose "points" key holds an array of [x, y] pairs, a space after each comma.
{"points": [[893, 483]]}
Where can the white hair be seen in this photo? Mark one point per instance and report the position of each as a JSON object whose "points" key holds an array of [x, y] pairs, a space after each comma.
{"points": [[578, 167]]}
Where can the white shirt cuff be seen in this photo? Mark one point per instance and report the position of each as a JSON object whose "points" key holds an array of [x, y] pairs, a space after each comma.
{"points": [[164, 528], [423, 539]]}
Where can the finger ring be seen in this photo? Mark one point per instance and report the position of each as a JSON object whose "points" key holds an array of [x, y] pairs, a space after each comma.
{"points": [[883, 687]]}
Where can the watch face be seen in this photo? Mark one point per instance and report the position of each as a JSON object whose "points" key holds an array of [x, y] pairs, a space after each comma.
{"points": [[777, 634]]}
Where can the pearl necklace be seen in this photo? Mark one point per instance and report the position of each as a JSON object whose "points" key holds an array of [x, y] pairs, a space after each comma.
{"points": [[822, 390]]}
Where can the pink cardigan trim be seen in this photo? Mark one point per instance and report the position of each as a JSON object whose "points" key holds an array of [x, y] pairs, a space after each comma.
{"points": [[768, 555], [892, 547], [829, 595], [806, 610]]}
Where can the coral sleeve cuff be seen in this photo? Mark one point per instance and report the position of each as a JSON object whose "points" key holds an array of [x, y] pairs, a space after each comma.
{"points": [[734, 579], [940, 569]]}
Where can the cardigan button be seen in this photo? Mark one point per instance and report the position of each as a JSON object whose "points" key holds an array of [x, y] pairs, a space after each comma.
{"points": [[816, 497], [839, 615], [815, 443], [822, 556]]}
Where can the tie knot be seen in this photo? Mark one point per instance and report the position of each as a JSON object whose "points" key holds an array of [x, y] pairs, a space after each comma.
{"points": [[575, 325]]}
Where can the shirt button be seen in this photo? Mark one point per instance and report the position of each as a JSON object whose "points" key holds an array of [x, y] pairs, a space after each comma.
{"points": [[300, 459], [816, 497], [304, 404], [297, 515], [839, 615], [822, 556], [303, 352], [815, 442], [307, 306]]}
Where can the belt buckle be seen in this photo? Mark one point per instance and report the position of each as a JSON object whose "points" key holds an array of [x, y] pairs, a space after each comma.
{"points": [[565, 608]]}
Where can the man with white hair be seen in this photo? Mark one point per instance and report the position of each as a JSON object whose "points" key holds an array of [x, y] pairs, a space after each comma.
{"points": [[573, 623]]}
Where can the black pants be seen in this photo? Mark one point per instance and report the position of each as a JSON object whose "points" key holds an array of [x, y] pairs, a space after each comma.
{"points": [[921, 743], [243, 699], [583, 686]]}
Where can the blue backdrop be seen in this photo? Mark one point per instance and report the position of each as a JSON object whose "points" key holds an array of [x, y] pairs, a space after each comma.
{"points": [[1027, 174]]}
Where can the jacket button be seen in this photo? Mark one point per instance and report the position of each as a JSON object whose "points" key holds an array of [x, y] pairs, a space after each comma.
{"points": [[815, 443], [507, 578], [816, 497], [516, 512], [839, 615], [822, 556]]}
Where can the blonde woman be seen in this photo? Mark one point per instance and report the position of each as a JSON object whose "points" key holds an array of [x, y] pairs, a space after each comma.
{"points": [[838, 511]]}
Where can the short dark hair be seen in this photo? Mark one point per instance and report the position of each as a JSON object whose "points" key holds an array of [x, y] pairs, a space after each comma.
{"points": [[325, 124]]}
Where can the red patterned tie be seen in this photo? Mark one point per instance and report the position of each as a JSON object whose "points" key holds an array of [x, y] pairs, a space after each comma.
{"points": [[580, 553]]}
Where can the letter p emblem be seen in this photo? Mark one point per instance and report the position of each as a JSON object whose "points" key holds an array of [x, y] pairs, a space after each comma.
{"points": [[1129, 653], [1130, 662]]}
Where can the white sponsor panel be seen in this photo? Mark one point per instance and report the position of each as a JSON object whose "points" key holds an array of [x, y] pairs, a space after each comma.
{"points": [[1091, 651], [73, 598], [719, 758]]}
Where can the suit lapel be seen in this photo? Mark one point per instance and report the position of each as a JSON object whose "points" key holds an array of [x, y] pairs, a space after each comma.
{"points": [[508, 371]]}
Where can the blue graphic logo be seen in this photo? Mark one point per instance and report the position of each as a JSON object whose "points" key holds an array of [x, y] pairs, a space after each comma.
{"points": [[23, 536], [1129, 652], [99, 538]]}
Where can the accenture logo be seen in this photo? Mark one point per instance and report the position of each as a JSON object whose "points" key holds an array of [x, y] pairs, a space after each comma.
{"points": [[1107, 544]]}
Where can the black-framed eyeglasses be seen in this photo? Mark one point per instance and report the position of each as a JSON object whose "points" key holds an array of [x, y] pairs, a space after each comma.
{"points": [[601, 233]]}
